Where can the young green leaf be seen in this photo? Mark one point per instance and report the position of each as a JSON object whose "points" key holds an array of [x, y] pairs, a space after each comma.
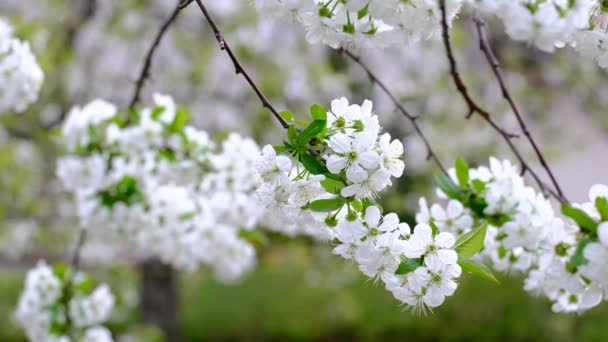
{"points": [[462, 172], [471, 242], [601, 203], [280, 149], [446, 185], [311, 131], [318, 113], [332, 186], [580, 217], [286, 115], [312, 165], [156, 112], [292, 134], [61, 270], [408, 265], [477, 268], [326, 205], [254, 236], [478, 185], [434, 227], [182, 116], [578, 258]]}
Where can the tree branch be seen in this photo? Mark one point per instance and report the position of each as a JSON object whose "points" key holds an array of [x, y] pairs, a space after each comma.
{"points": [[145, 70], [484, 45], [237, 65], [475, 108], [411, 117]]}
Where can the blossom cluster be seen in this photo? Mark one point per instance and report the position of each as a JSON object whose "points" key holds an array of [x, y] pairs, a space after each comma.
{"points": [[59, 305], [357, 23], [325, 181], [20, 75], [169, 190], [524, 234], [554, 24]]}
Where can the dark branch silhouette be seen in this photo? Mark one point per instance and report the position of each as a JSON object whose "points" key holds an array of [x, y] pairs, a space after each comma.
{"points": [[475, 108], [486, 48], [411, 117], [145, 70], [238, 67]]}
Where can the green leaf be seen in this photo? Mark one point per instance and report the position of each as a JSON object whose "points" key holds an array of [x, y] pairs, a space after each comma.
{"points": [[580, 217], [478, 205], [434, 227], [301, 123], [408, 265], [601, 203], [326, 205], [471, 242], [292, 134], [462, 172], [254, 236], [446, 185], [156, 112], [311, 131], [61, 270], [280, 149], [578, 258], [332, 186], [357, 205], [478, 185], [477, 268], [287, 115], [84, 283], [182, 116], [363, 12], [318, 113], [133, 116], [167, 153], [312, 165]]}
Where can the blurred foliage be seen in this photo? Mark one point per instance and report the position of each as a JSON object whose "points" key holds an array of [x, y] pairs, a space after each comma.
{"points": [[301, 292]]}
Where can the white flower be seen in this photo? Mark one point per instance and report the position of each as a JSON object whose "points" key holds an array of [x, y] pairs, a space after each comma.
{"points": [[391, 154], [270, 167], [454, 219], [351, 154], [20, 75], [366, 185], [423, 243]]}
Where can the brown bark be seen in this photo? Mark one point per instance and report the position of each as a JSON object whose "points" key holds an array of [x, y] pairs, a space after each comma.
{"points": [[158, 301]]}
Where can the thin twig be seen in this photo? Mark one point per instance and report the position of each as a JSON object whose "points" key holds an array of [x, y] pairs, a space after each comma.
{"points": [[75, 258], [145, 70], [411, 117], [485, 47], [475, 108], [237, 65]]}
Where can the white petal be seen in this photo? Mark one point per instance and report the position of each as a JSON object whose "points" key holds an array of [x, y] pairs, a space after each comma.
{"points": [[438, 213], [335, 163], [369, 159], [363, 142], [424, 233], [598, 190], [389, 222], [602, 233], [350, 190], [454, 209], [433, 297], [340, 143], [372, 216], [445, 240], [339, 106]]}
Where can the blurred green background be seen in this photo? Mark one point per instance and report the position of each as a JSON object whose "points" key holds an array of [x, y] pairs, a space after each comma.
{"points": [[299, 291], [302, 293]]}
